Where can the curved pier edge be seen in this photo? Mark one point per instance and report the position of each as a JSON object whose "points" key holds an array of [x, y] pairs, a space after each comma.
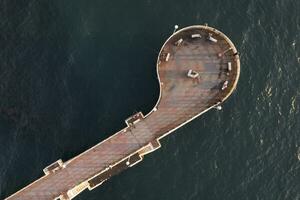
{"points": [[199, 27]]}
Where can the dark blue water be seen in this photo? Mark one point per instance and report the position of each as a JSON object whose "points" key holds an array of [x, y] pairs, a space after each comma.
{"points": [[72, 71]]}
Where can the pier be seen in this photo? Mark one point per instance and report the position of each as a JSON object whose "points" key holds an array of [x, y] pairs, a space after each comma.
{"points": [[198, 67]]}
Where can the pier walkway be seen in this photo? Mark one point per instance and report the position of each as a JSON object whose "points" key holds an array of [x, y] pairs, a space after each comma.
{"points": [[198, 68]]}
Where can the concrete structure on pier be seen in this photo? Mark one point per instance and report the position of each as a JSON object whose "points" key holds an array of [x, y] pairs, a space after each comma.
{"points": [[198, 68]]}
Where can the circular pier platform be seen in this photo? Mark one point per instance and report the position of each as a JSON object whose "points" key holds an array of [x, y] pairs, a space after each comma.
{"points": [[209, 54], [198, 68]]}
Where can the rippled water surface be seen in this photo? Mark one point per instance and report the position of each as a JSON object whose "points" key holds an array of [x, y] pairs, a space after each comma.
{"points": [[72, 71]]}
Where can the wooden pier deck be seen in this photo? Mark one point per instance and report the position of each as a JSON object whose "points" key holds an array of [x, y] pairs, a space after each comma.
{"points": [[213, 65]]}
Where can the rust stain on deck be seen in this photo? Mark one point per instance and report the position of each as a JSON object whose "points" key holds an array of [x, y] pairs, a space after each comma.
{"points": [[198, 68]]}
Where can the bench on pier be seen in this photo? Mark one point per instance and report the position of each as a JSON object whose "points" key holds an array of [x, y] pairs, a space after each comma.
{"points": [[210, 38], [178, 42], [168, 57], [225, 84], [196, 36], [229, 66]]}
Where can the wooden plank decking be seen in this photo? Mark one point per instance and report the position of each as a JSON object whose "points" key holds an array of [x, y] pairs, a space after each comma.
{"points": [[182, 99]]}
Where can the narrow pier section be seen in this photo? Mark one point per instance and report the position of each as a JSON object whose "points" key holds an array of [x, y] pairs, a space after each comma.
{"points": [[198, 68]]}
